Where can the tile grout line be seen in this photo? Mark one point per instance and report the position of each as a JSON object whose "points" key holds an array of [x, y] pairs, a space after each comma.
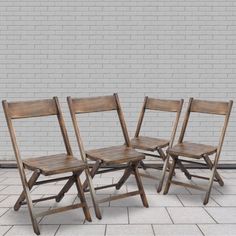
{"points": [[169, 215], [57, 230], [200, 229], [8, 230], [204, 208]]}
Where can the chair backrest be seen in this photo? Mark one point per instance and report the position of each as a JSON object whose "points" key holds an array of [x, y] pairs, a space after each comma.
{"points": [[96, 104], [29, 109], [161, 105], [208, 107]]}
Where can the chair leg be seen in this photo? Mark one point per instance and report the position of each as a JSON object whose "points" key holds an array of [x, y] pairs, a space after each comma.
{"points": [[82, 197], [217, 175], [93, 172], [142, 164], [170, 176], [140, 185], [207, 196], [93, 194], [124, 178], [31, 183], [164, 169], [65, 189], [30, 208], [182, 167]]}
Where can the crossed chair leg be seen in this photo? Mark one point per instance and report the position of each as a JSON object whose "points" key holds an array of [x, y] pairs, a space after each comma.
{"points": [[132, 168], [215, 176], [165, 168], [25, 197]]}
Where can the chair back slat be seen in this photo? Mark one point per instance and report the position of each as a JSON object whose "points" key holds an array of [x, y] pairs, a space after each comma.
{"points": [[94, 104], [209, 107], [29, 109], [163, 105]]}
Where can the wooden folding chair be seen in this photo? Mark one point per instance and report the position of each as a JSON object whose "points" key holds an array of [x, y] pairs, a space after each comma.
{"points": [[152, 144], [197, 151], [45, 165], [123, 154]]}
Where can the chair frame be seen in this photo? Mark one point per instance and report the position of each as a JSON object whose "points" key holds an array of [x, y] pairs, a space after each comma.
{"points": [[101, 104], [208, 107], [38, 108], [165, 106]]}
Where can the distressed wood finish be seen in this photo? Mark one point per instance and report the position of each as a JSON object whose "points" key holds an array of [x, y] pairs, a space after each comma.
{"points": [[193, 150], [162, 105], [114, 155], [209, 107], [46, 165], [148, 143], [28, 109], [109, 155], [152, 144], [54, 164], [200, 151], [94, 104]]}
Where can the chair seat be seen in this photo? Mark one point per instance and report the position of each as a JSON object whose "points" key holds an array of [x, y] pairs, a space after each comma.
{"points": [[54, 164], [192, 150], [148, 143], [115, 154]]}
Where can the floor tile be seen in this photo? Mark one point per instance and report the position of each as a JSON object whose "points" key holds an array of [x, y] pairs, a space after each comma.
{"points": [[154, 215], [4, 229], [111, 215], [176, 230], [12, 189], [71, 217], [135, 230], [81, 230], [195, 200], [189, 215], [177, 190], [223, 214], [2, 197], [163, 200], [66, 200], [225, 200], [11, 181], [2, 211], [153, 201], [20, 217], [129, 201], [226, 189], [51, 189], [10, 200], [98, 197], [218, 230], [27, 230]]}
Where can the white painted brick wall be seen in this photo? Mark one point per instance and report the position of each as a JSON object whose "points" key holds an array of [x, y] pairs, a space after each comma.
{"points": [[165, 49]]}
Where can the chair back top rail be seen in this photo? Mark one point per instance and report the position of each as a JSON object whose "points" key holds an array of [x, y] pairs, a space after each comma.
{"points": [[27, 109], [94, 104], [163, 104], [209, 107]]}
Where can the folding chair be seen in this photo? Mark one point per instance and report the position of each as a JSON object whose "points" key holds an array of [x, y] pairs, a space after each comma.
{"points": [[197, 151], [115, 155], [45, 165], [154, 145]]}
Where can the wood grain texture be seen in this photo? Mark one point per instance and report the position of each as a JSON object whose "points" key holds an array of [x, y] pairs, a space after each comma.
{"points": [[193, 150], [162, 105], [209, 107], [148, 143], [94, 104], [29, 109], [115, 155], [54, 164]]}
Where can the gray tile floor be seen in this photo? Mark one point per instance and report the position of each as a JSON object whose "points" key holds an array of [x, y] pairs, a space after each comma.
{"points": [[179, 213]]}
